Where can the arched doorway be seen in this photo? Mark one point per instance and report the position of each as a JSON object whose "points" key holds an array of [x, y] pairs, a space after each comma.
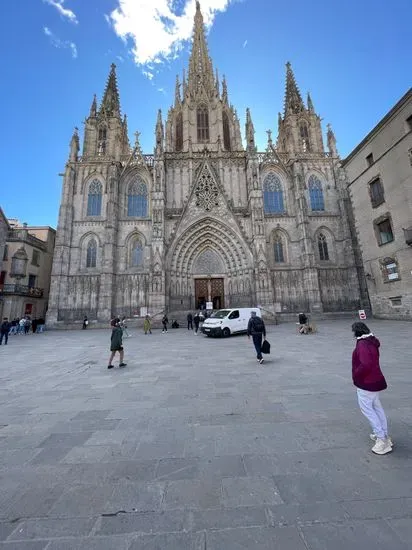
{"points": [[208, 262]]}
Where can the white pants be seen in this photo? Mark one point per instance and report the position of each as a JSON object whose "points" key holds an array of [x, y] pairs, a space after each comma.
{"points": [[371, 407]]}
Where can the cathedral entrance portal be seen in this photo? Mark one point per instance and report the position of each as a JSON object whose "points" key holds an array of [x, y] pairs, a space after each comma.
{"points": [[209, 290]]}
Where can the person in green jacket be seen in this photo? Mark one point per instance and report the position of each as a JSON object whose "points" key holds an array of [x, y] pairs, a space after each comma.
{"points": [[116, 343]]}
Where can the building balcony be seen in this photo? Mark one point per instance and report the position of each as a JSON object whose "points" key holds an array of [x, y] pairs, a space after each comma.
{"points": [[21, 290], [408, 236]]}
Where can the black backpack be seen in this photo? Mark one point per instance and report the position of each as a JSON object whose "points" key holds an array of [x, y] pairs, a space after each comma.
{"points": [[258, 325]]}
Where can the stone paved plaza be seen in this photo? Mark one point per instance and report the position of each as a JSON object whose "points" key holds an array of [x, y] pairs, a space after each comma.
{"points": [[193, 446]]}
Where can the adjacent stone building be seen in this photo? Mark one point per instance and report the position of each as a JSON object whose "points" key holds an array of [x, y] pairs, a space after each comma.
{"points": [[26, 270], [380, 176], [205, 220], [4, 230]]}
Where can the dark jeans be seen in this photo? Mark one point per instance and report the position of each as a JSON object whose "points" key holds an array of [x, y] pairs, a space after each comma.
{"points": [[196, 327], [4, 335], [190, 325], [257, 340], [164, 326]]}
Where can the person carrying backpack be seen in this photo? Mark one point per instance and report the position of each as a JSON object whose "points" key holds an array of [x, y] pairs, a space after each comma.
{"points": [[256, 328]]}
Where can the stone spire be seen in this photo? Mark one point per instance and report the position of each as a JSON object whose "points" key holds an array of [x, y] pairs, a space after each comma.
{"points": [[93, 108], [200, 65], [293, 99], [217, 83], [125, 131], [332, 142], [74, 146], [250, 132], [111, 103], [178, 98], [159, 133], [311, 108], [225, 97]]}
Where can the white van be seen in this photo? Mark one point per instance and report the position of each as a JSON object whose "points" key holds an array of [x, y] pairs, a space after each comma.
{"points": [[228, 321]]}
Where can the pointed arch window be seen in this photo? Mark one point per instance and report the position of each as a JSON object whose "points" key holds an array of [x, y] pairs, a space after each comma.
{"points": [[136, 256], [94, 199], [179, 132], [304, 136], [273, 195], [279, 250], [317, 202], [202, 124], [102, 140], [226, 131], [323, 248], [137, 199], [91, 254]]}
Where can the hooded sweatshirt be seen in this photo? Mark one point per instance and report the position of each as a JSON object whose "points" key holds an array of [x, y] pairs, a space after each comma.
{"points": [[366, 371]]}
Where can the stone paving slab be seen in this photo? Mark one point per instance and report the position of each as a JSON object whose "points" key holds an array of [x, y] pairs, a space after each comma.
{"points": [[195, 446]]}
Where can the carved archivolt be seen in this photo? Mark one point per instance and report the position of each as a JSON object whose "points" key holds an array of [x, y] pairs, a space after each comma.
{"points": [[207, 262], [210, 234]]}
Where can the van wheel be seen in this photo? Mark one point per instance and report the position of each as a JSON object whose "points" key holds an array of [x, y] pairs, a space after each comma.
{"points": [[226, 332]]}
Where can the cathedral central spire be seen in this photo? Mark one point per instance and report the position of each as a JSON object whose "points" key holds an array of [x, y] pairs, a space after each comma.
{"points": [[293, 99], [201, 75], [111, 101]]}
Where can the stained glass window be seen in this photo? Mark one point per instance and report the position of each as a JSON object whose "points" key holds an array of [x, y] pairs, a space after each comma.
{"points": [[278, 249], [91, 258], [273, 194], [317, 202], [137, 254], [202, 124], [137, 199], [94, 200], [226, 132], [323, 248]]}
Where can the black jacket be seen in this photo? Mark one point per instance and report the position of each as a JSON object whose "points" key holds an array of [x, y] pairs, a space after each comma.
{"points": [[5, 327], [256, 325]]}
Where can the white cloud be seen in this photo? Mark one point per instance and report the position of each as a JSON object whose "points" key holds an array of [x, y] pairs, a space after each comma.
{"points": [[64, 12], [57, 43], [156, 31]]}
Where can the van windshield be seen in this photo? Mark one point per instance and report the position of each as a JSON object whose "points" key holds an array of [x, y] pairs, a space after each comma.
{"points": [[221, 314]]}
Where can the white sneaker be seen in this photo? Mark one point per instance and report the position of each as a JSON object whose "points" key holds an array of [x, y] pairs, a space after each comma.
{"points": [[374, 437], [381, 447]]}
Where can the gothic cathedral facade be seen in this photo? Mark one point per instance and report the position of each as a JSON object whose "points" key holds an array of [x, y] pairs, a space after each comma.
{"points": [[206, 218]]}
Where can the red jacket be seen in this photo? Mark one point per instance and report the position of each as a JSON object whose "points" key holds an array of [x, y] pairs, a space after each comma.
{"points": [[366, 371]]}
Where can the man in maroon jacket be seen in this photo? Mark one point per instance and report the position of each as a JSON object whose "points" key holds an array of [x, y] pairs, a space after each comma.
{"points": [[369, 380]]}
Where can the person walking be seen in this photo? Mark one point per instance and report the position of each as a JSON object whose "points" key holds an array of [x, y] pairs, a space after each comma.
{"points": [[4, 331], [85, 323], [256, 328], [165, 322], [116, 343], [27, 325], [147, 325], [22, 323], [369, 380], [14, 326], [189, 321], [196, 320]]}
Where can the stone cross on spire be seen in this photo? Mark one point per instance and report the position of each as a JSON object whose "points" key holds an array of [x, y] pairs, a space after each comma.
{"points": [[111, 102], [200, 65], [293, 99]]}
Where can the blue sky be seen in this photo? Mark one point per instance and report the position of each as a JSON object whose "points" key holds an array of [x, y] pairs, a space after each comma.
{"points": [[353, 56]]}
